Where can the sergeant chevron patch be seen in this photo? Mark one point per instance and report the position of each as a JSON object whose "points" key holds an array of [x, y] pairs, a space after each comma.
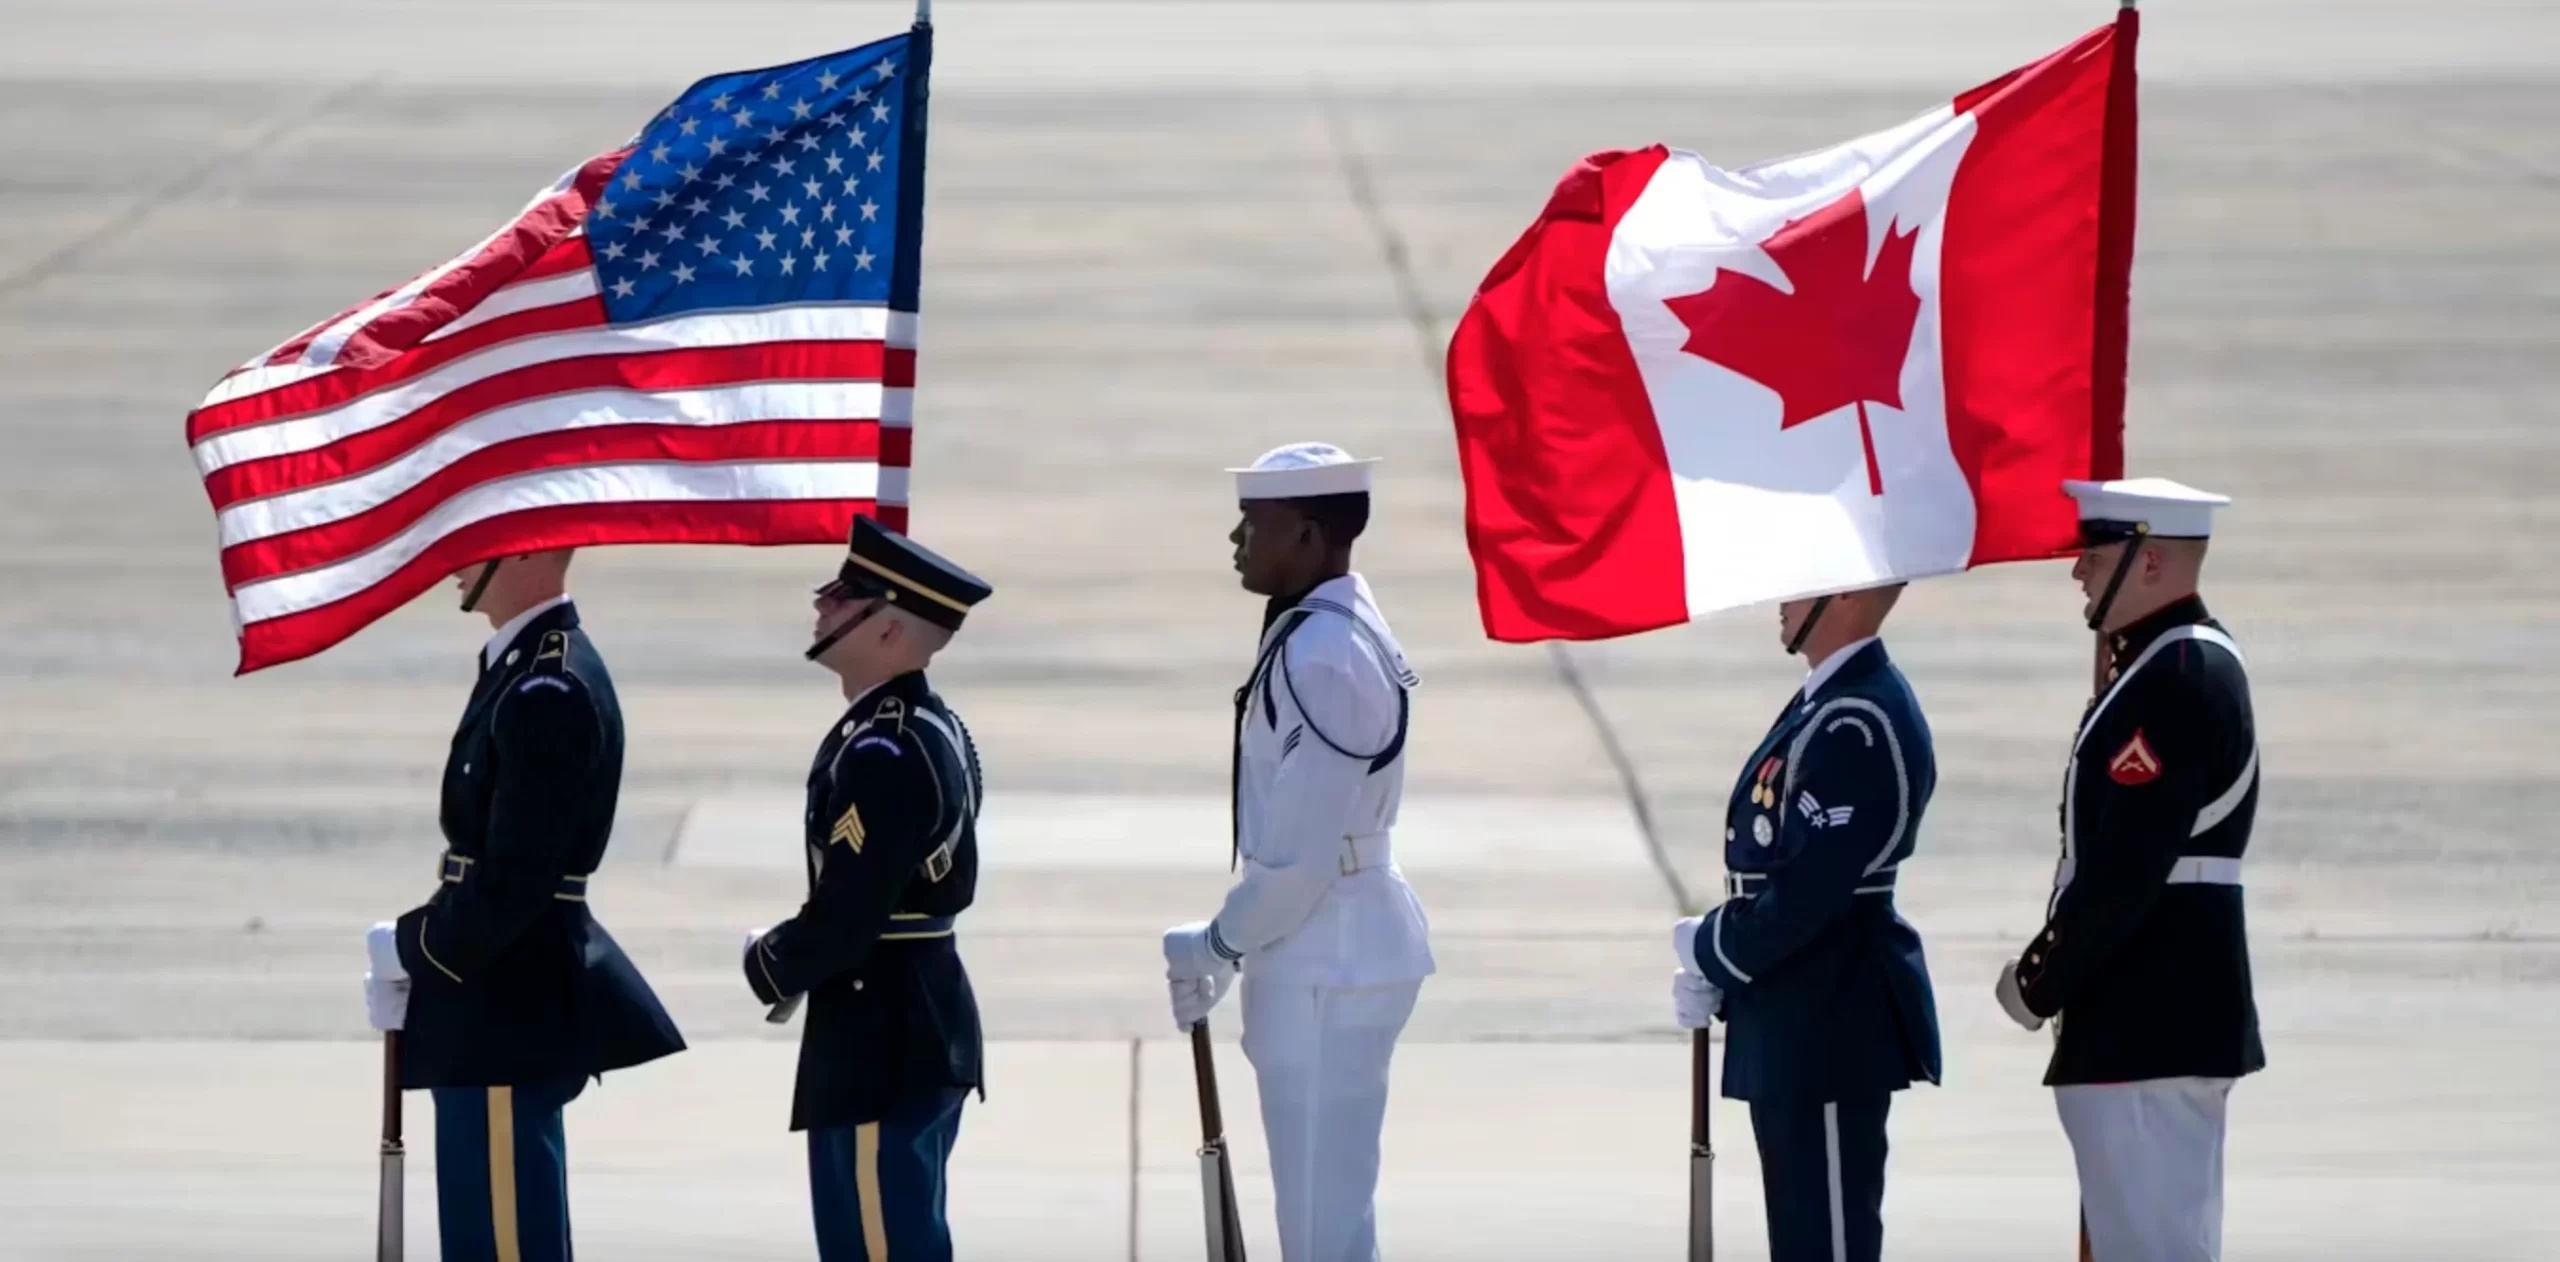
{"points": [[2134, 764], [848, 829]]}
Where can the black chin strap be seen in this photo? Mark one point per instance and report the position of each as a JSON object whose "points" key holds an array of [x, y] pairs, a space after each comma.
{"points": [[828, 640], [1804, 630], [480, 586], [2115, 582]]}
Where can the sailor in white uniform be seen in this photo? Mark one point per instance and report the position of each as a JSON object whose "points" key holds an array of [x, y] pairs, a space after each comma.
{"points": [[1330, 941]]}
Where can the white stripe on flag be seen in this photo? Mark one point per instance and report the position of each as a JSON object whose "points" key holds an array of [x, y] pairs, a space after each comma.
{"points": [[530, 295], [258, 378], [587, 409], [848, 323], [593, 484]]}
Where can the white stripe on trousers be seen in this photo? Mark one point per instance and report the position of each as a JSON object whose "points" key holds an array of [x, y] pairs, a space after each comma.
{"points": [[1839, 1202]]}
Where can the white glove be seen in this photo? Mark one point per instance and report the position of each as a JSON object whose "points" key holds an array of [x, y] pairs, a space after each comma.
{"points": [[1193, 997], [386, 984], [2014, 1001], [1694, 1000], [1188, 955], [1684, 944]]}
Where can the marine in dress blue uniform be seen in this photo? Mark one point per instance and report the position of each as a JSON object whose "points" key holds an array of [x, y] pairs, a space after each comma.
{"points": [[892, 1045], [1822, 985], [2143, 960], [515, 995]]}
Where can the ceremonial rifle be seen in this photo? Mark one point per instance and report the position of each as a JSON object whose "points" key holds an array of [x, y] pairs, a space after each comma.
{"points": [[1702, 1153], [1217, 1173], [389, 1232]]}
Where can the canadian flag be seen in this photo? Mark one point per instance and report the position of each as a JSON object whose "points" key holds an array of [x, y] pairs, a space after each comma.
{"points": [[1686, 389]]}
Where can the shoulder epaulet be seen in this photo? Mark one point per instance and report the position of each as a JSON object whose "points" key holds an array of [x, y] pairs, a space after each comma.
{"points": [[884, 730], [549, 670], [552, 656], [891, 714]]}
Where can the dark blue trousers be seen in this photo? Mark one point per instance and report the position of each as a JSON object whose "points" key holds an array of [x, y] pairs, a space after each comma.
{"points": [[877, 1189], [502, 1172], [1822, 1177]]}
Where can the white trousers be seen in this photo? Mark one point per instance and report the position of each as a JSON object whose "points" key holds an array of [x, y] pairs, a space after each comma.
{"points": [[2150, 1159], [1320, 1058]]}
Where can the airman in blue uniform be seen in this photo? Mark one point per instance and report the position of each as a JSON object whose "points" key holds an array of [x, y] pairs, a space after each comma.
{"points": [[892, 1045], [1822, 986], [507, 992]]}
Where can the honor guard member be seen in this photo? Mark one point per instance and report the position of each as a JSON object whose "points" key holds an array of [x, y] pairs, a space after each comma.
{"points": [[2143, 962], [1332, 943], [507, 992], [892, 1045], [1822, 984]]}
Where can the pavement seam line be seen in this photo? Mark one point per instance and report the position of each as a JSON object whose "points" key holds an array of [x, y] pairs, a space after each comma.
{"points": [[62, 257], [1362, 186]]}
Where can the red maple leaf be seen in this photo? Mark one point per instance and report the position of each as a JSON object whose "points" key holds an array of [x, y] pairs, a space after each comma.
{"points": [[1837, 341]]}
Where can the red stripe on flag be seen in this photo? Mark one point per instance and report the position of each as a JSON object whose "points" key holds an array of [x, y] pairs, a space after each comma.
{"points": [[319, 394], [897, 446], [2016, 269], [538, 231], [1570, 512], [660, 370], [2117, 176], [317, 546], [499, 263], [571, 255], [300, 342], [751, 522]]}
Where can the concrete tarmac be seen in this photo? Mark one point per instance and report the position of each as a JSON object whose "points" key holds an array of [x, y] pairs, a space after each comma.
{"points": [[1165, 236]]}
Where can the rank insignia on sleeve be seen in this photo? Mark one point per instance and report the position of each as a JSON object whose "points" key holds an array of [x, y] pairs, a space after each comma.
{"points": [[1820, 816], [2134, 764], [848, 829]]}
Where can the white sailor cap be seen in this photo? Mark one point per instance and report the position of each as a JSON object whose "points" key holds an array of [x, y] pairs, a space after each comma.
{"points": [[1300, 470], [2157, 507]]}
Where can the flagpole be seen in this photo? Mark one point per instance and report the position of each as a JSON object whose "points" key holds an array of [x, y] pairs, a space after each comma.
{"points": [[2117, 169]]}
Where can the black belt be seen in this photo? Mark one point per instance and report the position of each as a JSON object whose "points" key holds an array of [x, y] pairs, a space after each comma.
{"points": [[1746, 884], [910, 927], [454, 869]]}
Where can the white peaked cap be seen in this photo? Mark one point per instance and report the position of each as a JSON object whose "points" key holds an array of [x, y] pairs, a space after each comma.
{"points": [[1300, 470], [2171, 510]]}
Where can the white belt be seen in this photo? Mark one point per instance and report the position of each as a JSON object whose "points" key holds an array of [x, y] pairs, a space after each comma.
{"points": [[2205, 870], [1359, 854]]}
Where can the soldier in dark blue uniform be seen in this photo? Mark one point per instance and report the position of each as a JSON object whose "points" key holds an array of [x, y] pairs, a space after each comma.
{"points": [[1823, 987], [507, 993], [892, 1045], [2143, 961]]}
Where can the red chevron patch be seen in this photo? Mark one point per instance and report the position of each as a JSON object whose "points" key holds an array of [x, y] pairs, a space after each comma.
{"points": [[2135, 763]]}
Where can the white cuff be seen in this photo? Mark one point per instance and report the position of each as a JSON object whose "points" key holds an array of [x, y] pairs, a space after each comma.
{"points": [[1684, 944], [382, 950]]}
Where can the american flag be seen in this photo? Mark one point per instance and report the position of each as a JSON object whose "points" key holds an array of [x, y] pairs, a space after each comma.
{"points": [[707, 336]]}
